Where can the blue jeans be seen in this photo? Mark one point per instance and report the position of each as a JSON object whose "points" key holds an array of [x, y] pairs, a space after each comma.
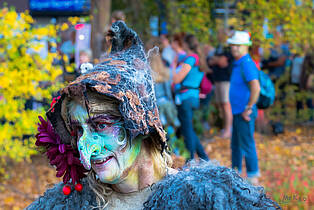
{"points": [[192, 142], [242, 143]]}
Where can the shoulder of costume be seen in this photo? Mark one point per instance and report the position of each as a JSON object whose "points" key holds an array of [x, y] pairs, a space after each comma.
{"points": [[54, 198], [207, 186]]}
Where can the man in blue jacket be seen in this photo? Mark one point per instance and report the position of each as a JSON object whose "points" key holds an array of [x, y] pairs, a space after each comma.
{"points": [[244, 93]]}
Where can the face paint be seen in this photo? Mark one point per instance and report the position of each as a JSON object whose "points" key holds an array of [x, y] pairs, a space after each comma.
{"points": [[103, 145]]}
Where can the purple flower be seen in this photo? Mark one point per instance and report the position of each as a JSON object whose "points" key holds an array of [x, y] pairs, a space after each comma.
{"points": [[63, 156]]}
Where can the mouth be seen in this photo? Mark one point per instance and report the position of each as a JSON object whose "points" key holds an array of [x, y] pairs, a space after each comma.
{"points": [[101, 161]]}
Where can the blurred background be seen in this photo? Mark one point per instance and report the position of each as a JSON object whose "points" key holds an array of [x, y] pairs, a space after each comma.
{"points": [[44, 42]]}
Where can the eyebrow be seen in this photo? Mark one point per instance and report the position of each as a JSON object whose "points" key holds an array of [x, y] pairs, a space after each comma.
{"points": [[100, 117]]}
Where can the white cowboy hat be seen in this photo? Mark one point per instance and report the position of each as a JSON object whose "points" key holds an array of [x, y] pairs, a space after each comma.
{"points": [[240, 38]]}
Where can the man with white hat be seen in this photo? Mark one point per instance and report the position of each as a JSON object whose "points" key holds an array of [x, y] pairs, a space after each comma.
{"points": [[244, 93]]}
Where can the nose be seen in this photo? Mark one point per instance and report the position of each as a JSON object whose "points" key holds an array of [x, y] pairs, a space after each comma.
{"points": [[88, 146]]}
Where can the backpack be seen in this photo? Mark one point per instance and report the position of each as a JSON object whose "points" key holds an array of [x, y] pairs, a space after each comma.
{"points": [[267, 93], [206, 85]]}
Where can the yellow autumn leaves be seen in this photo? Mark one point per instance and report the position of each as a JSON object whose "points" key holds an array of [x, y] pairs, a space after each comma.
{"points": [[294, 20], [24, 74], [191, 17]]}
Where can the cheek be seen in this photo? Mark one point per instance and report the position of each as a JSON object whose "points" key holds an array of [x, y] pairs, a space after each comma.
{"points": [[113, 146], [234, 50], [116, 140], [241, 50]]}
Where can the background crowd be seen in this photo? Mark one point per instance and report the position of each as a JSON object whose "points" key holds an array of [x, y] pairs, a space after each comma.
{"points": [[190, 76]]}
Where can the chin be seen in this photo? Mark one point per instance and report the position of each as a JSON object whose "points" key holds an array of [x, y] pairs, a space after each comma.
{"points": [[108, 179], [108, 173]]}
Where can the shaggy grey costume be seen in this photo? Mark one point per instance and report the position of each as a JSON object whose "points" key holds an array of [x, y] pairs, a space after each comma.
{"points": [[203, 186]]}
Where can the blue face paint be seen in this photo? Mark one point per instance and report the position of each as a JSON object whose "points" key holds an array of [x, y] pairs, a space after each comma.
{"points": [[93, 144], [103, 146]]}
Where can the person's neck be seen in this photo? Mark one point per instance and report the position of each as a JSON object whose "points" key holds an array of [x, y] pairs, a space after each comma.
{"points": [[180, 51], [143, 173], [190, 52], [166, 44]]}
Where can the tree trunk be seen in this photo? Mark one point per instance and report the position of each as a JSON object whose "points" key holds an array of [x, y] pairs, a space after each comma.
{"points": [[101, 10]]}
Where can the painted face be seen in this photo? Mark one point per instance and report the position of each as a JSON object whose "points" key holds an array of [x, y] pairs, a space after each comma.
{"points": [[102, 143]]}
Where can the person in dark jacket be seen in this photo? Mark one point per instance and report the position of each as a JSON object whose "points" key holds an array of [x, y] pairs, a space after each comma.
{"points": [[221, 65]]}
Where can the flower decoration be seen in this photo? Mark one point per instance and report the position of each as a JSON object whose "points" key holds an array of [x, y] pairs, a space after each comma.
{"points": [[63, 156]]}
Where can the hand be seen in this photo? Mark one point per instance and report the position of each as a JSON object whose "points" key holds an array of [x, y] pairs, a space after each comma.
{"points": [[246, 114]]}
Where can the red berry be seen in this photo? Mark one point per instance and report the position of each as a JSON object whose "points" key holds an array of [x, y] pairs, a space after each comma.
{"points": [[79, 187], [66, 190]]}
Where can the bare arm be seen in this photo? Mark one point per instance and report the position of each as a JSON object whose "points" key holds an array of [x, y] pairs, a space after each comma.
{"points": [[174, 62], [178, 77], [254, 89], [280, 62], [213, 61]]}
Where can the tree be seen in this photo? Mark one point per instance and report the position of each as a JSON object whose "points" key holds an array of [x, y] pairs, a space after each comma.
{"points": [[191, 17], [293, 18], [138, 14], [24, 74], [289, 21], [101, 17]]}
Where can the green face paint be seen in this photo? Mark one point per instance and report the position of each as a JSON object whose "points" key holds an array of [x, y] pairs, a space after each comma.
{"points": [[103, 145]]}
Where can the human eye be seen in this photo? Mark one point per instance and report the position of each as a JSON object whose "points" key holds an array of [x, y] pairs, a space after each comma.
{"points": [[103, 123], [100, 126], [121, 136]]}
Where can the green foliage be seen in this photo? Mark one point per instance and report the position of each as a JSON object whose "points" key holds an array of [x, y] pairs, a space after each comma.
{"points": [[296, 21], [138, 13], [23, 76], [191, 17], [284, 108], [176, 145], [180, 145]]}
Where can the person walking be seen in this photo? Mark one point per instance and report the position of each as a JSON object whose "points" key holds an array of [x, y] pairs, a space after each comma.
{"points": [[244, 93], [188, 80]]}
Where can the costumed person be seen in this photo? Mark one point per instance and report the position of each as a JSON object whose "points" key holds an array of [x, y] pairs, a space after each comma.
{"points": [[105, 138]]}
